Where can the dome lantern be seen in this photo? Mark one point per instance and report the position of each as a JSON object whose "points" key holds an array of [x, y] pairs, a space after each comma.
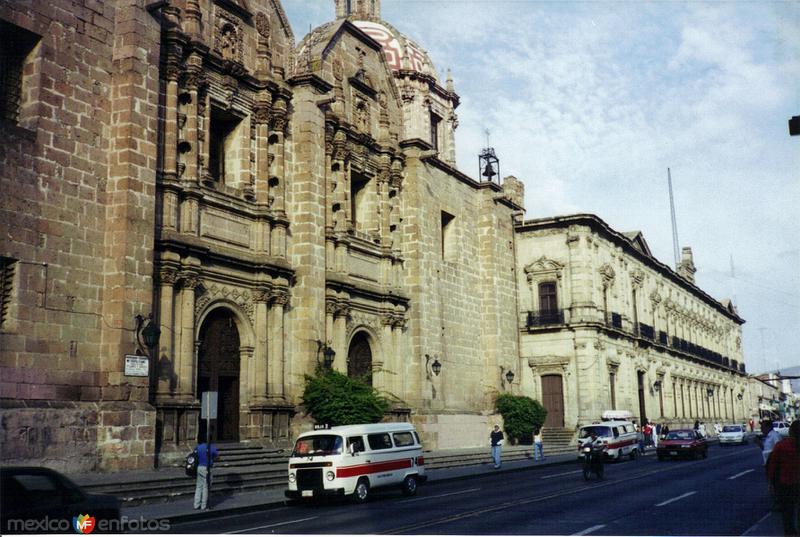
{"points": [[363, 9]]}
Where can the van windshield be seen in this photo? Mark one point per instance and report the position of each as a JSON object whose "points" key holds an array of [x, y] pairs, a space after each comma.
{"points": [[599, 430], [318, 445]]}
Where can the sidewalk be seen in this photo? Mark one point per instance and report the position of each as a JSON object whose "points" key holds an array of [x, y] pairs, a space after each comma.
{"points": [[183, 511]]}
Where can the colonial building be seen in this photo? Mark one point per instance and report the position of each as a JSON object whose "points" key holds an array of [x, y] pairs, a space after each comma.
{"points": [[194, 202], [607, 326], [181, 169]]}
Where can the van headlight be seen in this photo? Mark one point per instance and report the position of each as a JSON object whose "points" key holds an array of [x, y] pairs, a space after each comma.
{"points": [[292, 477], [330, 475]]}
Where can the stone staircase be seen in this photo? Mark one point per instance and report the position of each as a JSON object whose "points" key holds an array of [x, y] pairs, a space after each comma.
{"points": [[558, 440]]}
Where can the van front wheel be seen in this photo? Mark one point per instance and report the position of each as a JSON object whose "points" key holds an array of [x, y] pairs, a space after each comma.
{"points": [[410, 485], [361, 494]]}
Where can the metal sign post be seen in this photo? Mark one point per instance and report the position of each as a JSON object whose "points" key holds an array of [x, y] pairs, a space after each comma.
{"points": [[208, 410]]}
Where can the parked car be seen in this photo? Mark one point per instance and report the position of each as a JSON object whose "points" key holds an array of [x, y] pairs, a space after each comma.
{"points": [[41, 500], [732, 434], [682, 443], [782, 427]]}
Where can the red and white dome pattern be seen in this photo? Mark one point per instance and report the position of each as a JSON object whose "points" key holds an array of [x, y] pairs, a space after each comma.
{"points": [[400, 53]]}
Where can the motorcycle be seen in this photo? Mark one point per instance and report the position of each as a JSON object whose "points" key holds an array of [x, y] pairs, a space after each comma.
{"points": [[593, 460]]}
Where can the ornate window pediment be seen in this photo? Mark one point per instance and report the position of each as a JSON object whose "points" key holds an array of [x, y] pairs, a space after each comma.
{"points": [[607, 273], [543, 266]]}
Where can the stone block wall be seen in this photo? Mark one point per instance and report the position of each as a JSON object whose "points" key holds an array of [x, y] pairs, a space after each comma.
{"points": [[77, 173]]}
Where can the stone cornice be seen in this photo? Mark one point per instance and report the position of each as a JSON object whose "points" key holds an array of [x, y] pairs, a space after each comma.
{"points": [[595, 223]]}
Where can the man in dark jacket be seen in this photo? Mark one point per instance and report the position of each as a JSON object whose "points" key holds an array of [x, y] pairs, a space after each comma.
{"points": [[497, 445]]}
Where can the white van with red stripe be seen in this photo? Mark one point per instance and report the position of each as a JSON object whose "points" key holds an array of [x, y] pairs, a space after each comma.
{"points": [[619, 436], [354, 459]]}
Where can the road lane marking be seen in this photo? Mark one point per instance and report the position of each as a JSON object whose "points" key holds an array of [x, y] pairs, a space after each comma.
{"points": [[636, 477], [587, 531], [740, 474], [559, 475], [439, 495], [762, 519], [275, 525], [676, 498]]}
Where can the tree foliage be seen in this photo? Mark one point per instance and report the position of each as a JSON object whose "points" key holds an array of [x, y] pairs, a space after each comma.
{"points": [[334, 398], [521, 415]]}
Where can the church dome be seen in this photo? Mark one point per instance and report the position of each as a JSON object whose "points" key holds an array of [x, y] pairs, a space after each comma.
{"points": [[401, 53]]}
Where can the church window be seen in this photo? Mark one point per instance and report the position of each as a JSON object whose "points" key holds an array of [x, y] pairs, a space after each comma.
{"points": [[6, 287], [435, 121], [448, 237], [363, 204], [225, 149], [15, 66]]}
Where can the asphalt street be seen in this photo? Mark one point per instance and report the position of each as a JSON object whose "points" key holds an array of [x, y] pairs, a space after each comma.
{"points": [[724, 494]]}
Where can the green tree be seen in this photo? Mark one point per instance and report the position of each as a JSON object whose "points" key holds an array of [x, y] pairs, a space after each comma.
{"points": [[336, 399], [521, 415]]}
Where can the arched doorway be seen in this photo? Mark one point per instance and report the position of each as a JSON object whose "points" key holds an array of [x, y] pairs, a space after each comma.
{"points": [[218, 371], [553, 400], [359, 358]]}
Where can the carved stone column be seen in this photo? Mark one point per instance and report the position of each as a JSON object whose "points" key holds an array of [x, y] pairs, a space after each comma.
{"points": [[165, 360], [258, 381], [275, 377], [189, 146], [340, 336], [277, 181], [186, 350]]}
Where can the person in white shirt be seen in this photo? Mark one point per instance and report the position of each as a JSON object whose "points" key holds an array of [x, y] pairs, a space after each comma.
{"points": [[771, 438]]}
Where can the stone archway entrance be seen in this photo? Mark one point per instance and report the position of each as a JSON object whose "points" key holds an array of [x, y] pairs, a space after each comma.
{"points": [[553, 400], [218, 371], [359, 358]]}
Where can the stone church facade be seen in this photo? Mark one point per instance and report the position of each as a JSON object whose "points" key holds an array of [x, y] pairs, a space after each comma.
{"points": [[188, 166]]}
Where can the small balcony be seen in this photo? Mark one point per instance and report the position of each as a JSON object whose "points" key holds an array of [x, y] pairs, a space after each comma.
{"points": [[544, 318]]}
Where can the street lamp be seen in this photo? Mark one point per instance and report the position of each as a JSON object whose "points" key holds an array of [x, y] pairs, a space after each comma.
{"points": [[657, 385], [510, 376], [328, 354], [147, 335], [710, 392], [435, 367]]}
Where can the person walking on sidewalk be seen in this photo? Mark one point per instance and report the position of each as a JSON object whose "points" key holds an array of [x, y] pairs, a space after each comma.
{"points": [[497, 440], [206, 455], [538, 447], [771, 439], [783, 475]]}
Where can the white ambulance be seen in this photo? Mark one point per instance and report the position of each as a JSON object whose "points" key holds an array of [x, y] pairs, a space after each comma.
{"points": [[616, 431], [354, 459]]}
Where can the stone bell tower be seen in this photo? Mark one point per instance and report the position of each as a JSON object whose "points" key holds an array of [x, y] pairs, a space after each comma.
{"points": [[363, 9]]}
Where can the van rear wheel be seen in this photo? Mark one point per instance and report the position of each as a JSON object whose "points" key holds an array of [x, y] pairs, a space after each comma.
{"points": [[410, 485], [361, 493]]}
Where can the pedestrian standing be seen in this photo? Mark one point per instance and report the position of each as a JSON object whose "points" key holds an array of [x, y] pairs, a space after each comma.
{"points": [[538, 446], [647, 430], [207, 453], [496, 438], [656, 434], [783, 475], [640, 438], [771, 438], [702, 429]]}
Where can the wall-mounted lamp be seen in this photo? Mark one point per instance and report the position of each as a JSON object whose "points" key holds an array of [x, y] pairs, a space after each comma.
{"points": [[657, 385], [710, 392], [328, 354], [432, 365], [510, 376], [147, 334], [740, 397]]}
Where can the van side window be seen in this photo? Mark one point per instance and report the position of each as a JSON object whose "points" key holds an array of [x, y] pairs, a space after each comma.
{"points": [[379, 441], [616, 431], [357, 441], [403, 439]]}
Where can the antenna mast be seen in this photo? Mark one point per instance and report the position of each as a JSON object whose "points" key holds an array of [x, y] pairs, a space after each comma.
{"points": [[675, 248]]}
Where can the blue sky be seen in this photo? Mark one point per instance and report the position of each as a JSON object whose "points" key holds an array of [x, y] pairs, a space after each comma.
{"points": [[589, 103]]}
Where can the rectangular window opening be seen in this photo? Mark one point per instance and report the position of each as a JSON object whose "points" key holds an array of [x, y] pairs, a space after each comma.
{"points": [[448, 237], [15, 49], [223, 150], [7, 266], [435, 121]]}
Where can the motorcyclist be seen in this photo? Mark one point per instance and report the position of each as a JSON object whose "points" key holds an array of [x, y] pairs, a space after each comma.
{"points": [[593, 460]]}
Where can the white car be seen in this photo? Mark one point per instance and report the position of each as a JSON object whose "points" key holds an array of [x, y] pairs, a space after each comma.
{"points": [[732, 434], [782, 427]]}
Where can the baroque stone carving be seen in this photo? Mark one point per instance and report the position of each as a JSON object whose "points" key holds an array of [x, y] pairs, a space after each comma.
{"points": [[608, 275], [637, 277], [242, 298], [543, 265], [228, 38], [262, 24]]}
